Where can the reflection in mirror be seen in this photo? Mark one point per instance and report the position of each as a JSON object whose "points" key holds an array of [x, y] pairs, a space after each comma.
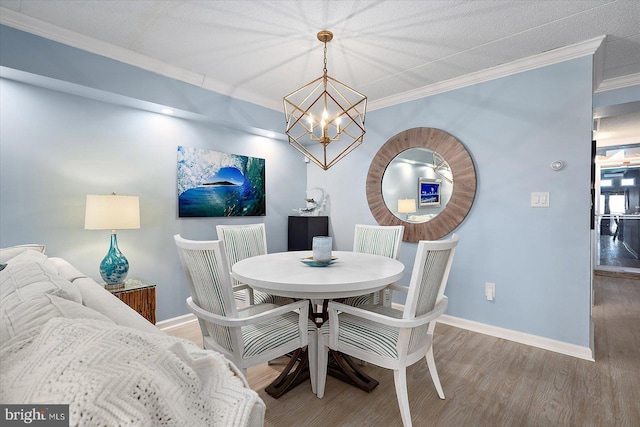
{"points": [[417, 185], [403, 206]]}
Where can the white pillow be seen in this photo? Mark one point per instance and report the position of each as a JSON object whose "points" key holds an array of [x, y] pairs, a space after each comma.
{"points": [[20, 316], [7, 253], [23, 280], [34, 256]]}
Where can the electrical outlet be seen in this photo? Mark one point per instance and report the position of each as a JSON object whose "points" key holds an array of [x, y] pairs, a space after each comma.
{"points": [[490, 291]]}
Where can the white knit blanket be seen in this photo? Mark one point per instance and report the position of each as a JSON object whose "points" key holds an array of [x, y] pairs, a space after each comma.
{"points": [[113, 375]]}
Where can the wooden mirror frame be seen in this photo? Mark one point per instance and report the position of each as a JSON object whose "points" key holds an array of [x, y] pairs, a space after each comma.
{"points": [[464, 182]]}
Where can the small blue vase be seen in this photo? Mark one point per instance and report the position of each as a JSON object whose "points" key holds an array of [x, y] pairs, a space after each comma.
{"points": [[114, 267]]}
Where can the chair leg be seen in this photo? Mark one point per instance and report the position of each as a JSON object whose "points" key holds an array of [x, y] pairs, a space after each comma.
{"points": [[322, 361], [312, 351], [431, 363], [400, 379]]}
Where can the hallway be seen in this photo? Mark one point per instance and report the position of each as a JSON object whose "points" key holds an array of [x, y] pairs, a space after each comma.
{"points": [[614, 253]]}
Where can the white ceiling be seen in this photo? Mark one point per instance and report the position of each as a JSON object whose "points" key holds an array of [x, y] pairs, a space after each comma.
{"points": [[260, 51]]}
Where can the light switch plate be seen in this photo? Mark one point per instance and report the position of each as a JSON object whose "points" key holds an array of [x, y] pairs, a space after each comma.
{"points": [[540, 199]]}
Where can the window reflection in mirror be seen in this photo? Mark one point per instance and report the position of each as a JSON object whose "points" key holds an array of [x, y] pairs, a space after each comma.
{"points": [[417, 185]]}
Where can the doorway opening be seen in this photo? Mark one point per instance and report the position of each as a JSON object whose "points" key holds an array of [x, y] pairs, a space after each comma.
{"points": [[617, 208]]}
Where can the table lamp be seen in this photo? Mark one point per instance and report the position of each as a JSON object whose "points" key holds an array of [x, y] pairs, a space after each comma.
{"points": [[406, 206], [113, 213]]}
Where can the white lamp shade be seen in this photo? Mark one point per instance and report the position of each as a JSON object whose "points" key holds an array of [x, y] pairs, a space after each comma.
{"points": [[112, 212], [406, 205]]}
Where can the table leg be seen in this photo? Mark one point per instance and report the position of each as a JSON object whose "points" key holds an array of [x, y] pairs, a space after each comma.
{"points": [[296, 371], [346, 369], [318, 317]]}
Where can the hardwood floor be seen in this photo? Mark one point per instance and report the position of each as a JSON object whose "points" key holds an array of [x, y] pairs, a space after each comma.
{"points": [[488, 381], [616, 253]]}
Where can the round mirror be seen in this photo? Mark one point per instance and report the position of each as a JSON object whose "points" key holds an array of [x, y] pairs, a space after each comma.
{"points": [[424, 179], [417, 185]]}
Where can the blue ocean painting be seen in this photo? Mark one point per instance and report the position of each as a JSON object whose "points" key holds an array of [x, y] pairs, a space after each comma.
{"points": [[213, 184], [429, 193]]}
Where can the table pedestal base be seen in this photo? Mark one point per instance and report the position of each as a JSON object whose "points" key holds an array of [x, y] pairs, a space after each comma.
{"points": [[345, 368], [296, 372], [340, 365]]}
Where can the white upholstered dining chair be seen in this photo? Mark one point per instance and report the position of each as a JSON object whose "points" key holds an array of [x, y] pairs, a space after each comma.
{"points": [[390, 338], [240, 242], [377, 240], [247, 336]]}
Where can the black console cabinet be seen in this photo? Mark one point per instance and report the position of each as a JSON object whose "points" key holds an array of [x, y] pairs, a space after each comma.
{"points": [[302, 229]]}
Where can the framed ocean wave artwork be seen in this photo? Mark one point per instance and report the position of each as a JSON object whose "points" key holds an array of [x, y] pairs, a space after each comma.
{"points": [[216, 184]]}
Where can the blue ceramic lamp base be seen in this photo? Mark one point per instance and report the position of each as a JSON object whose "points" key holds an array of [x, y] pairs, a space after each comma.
{"points": [[114, 267]]}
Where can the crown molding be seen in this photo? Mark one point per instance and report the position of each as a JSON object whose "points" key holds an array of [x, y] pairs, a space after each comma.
{"points": [[40, 28], [598, 65], [577, 50], [619, 83], [49, 31]]}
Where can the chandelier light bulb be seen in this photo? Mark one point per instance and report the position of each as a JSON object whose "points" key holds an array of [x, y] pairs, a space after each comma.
{"points": [[310, 119]]}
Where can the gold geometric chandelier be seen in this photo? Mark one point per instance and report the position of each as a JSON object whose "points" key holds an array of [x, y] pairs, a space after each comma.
{"points": [[325, 118]]}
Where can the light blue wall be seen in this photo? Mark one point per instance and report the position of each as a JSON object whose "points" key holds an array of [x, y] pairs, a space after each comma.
{"points": [[629, 94], [33, 54], [514, 128], [55, 148]]}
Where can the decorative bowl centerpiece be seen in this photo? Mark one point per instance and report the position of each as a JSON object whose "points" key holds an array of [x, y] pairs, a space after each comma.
{"points": [[313, 263]]}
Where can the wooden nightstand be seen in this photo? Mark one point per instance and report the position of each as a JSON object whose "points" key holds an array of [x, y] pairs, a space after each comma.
{"points": [[139, 295]]}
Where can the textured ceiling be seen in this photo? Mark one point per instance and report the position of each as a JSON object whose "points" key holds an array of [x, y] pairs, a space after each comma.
{"points": [[260, 51]]}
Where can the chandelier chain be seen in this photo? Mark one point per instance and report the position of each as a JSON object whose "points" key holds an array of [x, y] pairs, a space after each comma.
{"points": [[325, 58]]}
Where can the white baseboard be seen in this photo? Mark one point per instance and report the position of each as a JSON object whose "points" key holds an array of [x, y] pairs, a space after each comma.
{"points": [[482, 328], [520, 337], [515, 336], [174, 322]]}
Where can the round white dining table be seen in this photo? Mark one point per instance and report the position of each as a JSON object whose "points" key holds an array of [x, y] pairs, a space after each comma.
{"points": [[350, 274]]}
